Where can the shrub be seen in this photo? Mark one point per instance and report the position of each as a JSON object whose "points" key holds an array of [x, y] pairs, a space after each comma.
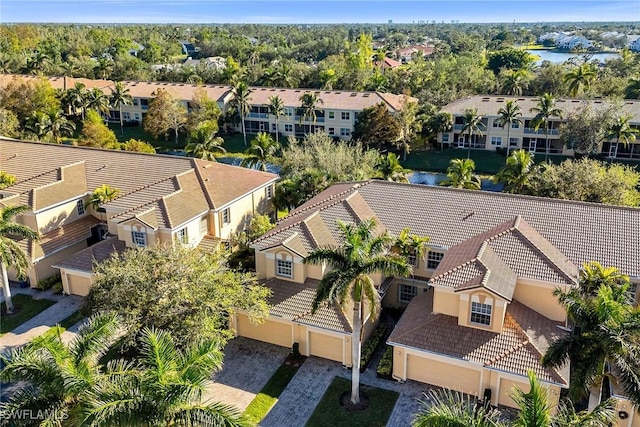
{"points": [[57, 287], [296, 349], [369, 348], [385, 366], [47, 283]]}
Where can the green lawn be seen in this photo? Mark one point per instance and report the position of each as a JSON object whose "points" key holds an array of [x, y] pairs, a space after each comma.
{"points": [[71, 320], [137, 132], [268, 396], [25, 309], [328, 412]]}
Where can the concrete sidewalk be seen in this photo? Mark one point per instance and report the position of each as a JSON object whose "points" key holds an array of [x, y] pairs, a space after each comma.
{"points": [[63, 308]]}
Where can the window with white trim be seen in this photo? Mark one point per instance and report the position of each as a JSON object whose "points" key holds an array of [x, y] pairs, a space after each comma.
{"points": [[497, 123], [268, 191], [481, 313], [445, 137], [412, 259], [181, 235], [332, 114], [496, 140], [513, 142], [288, 112], [284, 266], [407, 292], [515, 125], [139, 238], [80, 207], [226, 216], [433, 259], [345, 132], [126, 116], [288, 128], [332, 131], [345, 115]]}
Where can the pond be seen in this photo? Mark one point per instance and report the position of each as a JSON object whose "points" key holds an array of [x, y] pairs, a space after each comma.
{"points": [[432, 178], [559, 57]]}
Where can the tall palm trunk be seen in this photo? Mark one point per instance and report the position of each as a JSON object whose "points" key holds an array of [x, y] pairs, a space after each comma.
{"points": [[595, 393], [6, 289], [355, 352], [277, 130], [508, 138], [244, 132], [469, 149], [546, 145], [121, 123]]}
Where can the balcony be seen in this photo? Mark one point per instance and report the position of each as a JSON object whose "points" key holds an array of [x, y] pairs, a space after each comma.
{"points": [[541, 131], [458, 127], [259, 115], [318, 119]]}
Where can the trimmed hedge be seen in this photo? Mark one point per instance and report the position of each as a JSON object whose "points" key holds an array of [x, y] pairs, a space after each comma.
{"points": [[369, 348], [385, 366], [47, 283]]}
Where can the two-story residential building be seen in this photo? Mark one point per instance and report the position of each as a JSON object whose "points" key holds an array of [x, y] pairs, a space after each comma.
{"points": [[161, 199], [525, 135], [479, 310], [336, 114]]}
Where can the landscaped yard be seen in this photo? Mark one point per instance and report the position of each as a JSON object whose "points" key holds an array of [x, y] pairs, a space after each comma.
{"points": [[268, 396], [71, 320], [25, 308], [328, 412]]}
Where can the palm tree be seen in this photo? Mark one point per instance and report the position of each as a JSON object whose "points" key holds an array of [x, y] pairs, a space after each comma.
{"points": [[276, 108], [203, 142], [38, 62], [508, 116], [472, 123], [120, 96], [309, 102], [460, 175], [604, 339], [581, 76], [603, 415], [59, 126], [262, 148], [514, 82], [241, 97], [411, 246], [440, 123], [446, 408], [165, 387], [545, 109], [361, 254], [39, 124], [390, 168], [58, 375], [11, 253], [620, 129], [77, 99], [516, 173], [100, 196], [97, 100], [534, 405], [6, 179]]}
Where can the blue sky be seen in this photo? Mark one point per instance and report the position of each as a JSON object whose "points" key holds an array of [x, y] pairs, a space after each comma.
{"points": [[320, 11]]}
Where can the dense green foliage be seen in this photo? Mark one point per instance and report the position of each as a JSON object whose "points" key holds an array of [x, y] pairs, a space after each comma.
{"points": [[181, 290], [385, 366], [371, 345]]}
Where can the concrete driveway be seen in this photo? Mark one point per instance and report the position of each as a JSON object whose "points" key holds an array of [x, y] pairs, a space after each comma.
{"points": [[248, 365]]}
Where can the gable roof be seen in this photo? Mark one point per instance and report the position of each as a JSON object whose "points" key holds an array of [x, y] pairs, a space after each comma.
{"points": [[579, 231], [495, 258], [517, 349], [87, 258], [173, 189]]}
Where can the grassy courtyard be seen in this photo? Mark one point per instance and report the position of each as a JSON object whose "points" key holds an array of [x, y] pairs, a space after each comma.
{"points": [[25, 308], [328, 412]]}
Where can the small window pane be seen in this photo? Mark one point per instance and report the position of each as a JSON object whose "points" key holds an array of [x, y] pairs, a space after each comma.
{"points": [[480, 313], [284, 268], [433, 259], [80, 207]]}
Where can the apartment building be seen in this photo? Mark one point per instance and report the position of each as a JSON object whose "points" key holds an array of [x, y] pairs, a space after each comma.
{"points": [[525, 135], [479, 310], [161, 199], [337, 111]]}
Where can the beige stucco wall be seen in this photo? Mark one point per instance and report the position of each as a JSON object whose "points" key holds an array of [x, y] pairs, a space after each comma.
{"points": [[240, 213], [498, 311], [326, 346], [446, 301], [538, 296], [53, 218], [266, 264], [76, 283], [43, 268], [125, 229], [271, 330]]}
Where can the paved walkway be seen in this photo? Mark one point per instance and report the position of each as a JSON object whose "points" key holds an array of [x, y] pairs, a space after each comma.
{"points": [[248, 365], [64, 307], [298, 401]]}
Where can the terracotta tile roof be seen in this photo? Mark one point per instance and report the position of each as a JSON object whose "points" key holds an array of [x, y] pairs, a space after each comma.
{"points": [[209, 244], [293, 301], [174, 189], [578, 231], [225, 183], [60, 238], [512, 351], [521, 251], [87, 258], [334, 99]]}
